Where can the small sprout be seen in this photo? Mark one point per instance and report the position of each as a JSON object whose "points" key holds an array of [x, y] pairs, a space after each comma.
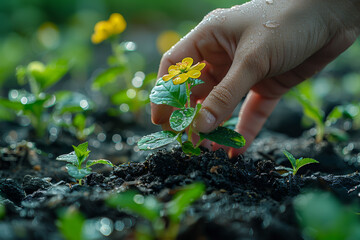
{"points": [[77, 158], [306, 97], [176, 93], [297, 163]]}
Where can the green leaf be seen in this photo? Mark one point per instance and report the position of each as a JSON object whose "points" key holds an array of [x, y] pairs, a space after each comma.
{"points": [[47, 76], [156, 140], [82, 152], [79, 121], [145, 206], [72, 102], [14, 106], [188, 148], [291, 158], [2, 211], [195, 81], [70, 224], [70, 158], [169, 94], [77, 173], [99, 161], [21, 74], [310, 110], [182, 118], [231, 123], [107, 76], [336, 135], [304, 161], [225, 136], [183, 199]]}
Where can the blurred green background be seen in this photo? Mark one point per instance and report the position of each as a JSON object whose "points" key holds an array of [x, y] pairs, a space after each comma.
{"points": [[47, 29]]}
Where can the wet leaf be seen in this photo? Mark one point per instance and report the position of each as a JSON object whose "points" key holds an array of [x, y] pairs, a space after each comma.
{"points": [[107, 76], [291, 158], [77, 173], [304, 161], [195, 81], [99, 161], [188, 148], [70, 158], [181, 119], [81, 152], [156, 140], [225, 136], [169, 94]]}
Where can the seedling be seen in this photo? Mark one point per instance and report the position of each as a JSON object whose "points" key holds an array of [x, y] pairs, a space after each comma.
{"points": [[76, 160], [39, 107], [313, 112], [296, 163], [163, 217], [126, 88], [176, 93]]}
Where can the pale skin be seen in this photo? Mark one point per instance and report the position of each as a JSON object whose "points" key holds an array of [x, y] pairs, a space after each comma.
{"points": [[259, 50]]}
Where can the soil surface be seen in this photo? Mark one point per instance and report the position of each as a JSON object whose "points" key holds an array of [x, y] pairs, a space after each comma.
{"points": [[245, 198]]}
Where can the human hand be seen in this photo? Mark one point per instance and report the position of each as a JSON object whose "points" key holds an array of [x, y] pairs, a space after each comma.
{"points": [[261, 49]]}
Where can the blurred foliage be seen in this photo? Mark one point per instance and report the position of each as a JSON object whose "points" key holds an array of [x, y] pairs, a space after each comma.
{"points": [[323, 217]]}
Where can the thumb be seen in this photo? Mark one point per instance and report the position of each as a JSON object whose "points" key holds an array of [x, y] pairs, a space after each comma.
{"points": [[224, 97]]}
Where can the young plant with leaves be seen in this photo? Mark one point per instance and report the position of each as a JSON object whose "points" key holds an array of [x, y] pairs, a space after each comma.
{"points": [[122, 81], [41, 108], [296, 163], [312, 111], [176, 93], [163, 217], [77, 159]]}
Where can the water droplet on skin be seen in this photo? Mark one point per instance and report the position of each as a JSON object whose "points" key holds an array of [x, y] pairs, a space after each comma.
{"points": [[270, 2], [271, 24]]}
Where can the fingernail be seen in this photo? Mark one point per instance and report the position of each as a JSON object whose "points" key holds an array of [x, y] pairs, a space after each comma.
{"points": [[205, 121]]}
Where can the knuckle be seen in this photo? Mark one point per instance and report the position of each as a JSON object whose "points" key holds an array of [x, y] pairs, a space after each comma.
{"points": [[223, 96], [255, 60]]}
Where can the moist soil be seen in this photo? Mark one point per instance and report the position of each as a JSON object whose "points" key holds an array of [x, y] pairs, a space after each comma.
{"points": [[245, 197]]}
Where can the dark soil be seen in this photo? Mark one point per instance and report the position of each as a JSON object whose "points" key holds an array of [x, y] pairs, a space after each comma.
{"points": [[246, 198]]}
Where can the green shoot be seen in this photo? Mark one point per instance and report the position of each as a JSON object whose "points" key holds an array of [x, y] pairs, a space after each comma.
{"points": [[76, 160], [305, 96], [297, 163], [2, 211], [151, 209], [174, 90], [71, 223]]}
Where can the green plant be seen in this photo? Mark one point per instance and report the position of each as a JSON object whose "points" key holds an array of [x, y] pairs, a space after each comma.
{"points": [[163, 217], [312, 111], [77, 158], [2, 211], [121, 81], [176, 93], [296, 163], [71, 223], [41, 108], [323, 217]]}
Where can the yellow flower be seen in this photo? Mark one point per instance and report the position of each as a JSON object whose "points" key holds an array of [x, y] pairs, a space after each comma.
{"points": [[105, 29], [181, 72]]}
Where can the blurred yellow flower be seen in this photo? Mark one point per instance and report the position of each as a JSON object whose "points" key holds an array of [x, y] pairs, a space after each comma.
{"points": [[181, 72], [166, 40], [105, 29]]}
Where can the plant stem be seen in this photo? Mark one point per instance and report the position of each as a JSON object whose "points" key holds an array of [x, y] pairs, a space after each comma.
{"points": [[198, 143], [187, 94]]}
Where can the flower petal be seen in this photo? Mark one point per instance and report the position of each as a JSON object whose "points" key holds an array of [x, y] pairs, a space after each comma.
{"points": [[167, 77], [198, 66], [117, 22], [189, 61], [180, 79], [194, 73]]}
